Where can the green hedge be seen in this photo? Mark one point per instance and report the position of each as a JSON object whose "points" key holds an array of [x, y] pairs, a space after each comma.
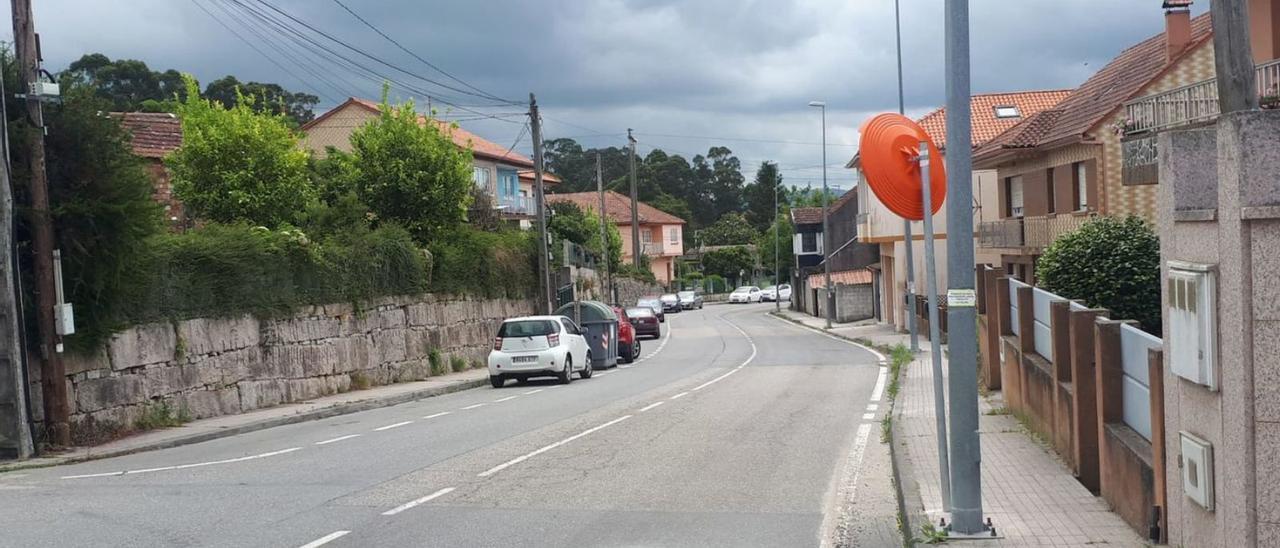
{"points": [[500, 264]]}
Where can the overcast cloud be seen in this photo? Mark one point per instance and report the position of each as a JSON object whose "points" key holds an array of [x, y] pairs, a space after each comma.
{"points": [[727, 72]]}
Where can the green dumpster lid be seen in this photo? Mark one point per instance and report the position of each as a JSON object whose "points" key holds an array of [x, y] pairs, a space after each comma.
{"points": [[592, 311]]}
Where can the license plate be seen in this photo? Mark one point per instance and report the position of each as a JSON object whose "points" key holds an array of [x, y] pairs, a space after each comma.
{"points": [[524, 359]]}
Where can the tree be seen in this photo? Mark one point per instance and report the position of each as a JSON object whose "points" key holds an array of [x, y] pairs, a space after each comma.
{"points": [[570, 222], [726, 181], [410, 171], [730, 262], [1108, 263], [238, 165], [808, 197], [762, 194], [779, 230], [297, 107], [731, 229]]}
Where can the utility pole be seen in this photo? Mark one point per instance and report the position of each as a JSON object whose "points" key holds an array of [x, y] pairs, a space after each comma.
{"points": [[1233, 58], [966, 448], [604, 232], [15, 436], [777, 233], [906, 223], [826, 225], [52, 373], [535, 126], [635, 208]]}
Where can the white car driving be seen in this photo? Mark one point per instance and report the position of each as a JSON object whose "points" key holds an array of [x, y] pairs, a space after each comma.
{"points": [[745, 294], [776, 292], [539, 346]]}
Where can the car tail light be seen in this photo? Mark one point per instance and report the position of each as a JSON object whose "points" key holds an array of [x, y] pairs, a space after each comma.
{"points": [[497, 343], [553, 339]]}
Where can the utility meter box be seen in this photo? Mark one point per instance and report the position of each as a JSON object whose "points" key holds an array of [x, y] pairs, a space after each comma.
{"points": [[1193, 324], [64, 319], [45, 89], [1197, 469]]}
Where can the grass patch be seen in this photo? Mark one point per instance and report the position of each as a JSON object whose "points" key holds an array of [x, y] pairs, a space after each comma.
{"points": [[477, 364], [437, 362], [161, 414], [1025, 421], [995, 411], [457, 364], [930, 534], [360, 381]]}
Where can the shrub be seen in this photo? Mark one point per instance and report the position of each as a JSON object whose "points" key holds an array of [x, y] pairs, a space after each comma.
{"points": [[161, 414], [437, 362], [237, 165], [716, 284], [486, 264], [457, 363], [1109, 263]]}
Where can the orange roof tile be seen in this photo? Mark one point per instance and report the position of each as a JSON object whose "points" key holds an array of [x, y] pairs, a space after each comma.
{"points": [[617, 207], [860, 276], [152, 134], [547, 177], [982, 108], [806, 215]]}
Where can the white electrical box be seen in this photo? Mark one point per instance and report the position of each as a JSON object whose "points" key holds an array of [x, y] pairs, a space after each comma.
{"points": [[64, 319], [1197, 470], [1193, 324], [45, 89]]}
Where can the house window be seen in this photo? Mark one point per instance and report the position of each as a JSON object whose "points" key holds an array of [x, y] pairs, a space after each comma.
{"points": [[481, 176], [808, 242], [1007, 111], [673, 236], [1048, 177], [646, 236], [1013, 196], [1080, 186]]}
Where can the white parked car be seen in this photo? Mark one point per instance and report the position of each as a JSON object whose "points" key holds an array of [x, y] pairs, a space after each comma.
{"points": [[539, 346], [745, 294], [776, 292]]}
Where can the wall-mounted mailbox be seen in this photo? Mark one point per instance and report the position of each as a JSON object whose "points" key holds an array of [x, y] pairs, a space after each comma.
{"points": [[1191, 291], [1197, 470]]}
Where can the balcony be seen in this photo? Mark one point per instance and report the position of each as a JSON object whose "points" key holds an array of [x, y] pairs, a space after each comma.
{"points": [[658, 249], [1187, 105], [1029, 235], [522, 206]]}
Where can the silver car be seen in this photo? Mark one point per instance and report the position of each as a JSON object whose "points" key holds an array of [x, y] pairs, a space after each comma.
{"points": [[689, 300]]}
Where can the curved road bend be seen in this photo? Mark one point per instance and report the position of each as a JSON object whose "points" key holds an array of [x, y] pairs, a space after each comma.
{"points": [[735, 433]]}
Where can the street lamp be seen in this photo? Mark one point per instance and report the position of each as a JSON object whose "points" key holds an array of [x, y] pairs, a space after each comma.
{"points": [[777, 233], [826, 230]]}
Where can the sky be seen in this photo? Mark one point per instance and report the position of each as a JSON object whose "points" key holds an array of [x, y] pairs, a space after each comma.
{"points": [[685, 75]]}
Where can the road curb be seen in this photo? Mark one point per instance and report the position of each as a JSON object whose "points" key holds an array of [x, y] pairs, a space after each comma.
{"points": [[910, 505], [305, 416]]}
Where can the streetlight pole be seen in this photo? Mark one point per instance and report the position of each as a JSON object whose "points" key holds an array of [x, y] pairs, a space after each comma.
{"points": [[906, 224], [826, 228], [777, 233]]}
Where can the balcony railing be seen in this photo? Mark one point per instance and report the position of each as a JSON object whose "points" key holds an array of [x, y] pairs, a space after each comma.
{"points": [[517, 205], [1031, 233], [1190, 104]]}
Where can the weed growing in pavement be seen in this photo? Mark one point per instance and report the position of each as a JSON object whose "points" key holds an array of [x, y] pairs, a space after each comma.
{"points": [[1025, 421], [458, 364], [931, 534], [477, 364], [360, 381], [1002, 410], [161, 414], [886, 427], [437, 362]]}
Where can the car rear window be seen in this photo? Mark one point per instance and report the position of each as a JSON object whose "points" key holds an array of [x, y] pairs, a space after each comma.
{"points": [[686, 294], [527, 328], [639, 312]]}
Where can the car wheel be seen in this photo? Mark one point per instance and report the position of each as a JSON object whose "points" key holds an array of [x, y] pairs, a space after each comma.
{"points": [[588, 370], [566, 375], [635, 352], [497, 381]]}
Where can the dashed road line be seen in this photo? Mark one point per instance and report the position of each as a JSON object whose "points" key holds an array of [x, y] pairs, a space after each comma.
{"points": [[661, 345], [508, 398], [530, 455], [416, 502], [717, 379], [651, 406], [535, 391], [184, 466], [338, 439], [440, 414], [878, 391], [472, 406], [390, 426], [873, 406], [868, 416], [680, 395], [326, 539]]}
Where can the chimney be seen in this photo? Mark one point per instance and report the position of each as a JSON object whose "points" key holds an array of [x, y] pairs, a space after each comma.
{"points": [[1177, 27]]}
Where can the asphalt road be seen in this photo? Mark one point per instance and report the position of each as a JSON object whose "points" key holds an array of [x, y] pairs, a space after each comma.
{"points": [[734, 430]]}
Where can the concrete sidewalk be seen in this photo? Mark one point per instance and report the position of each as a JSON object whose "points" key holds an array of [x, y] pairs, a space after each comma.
{"points": [[261, 419], [1029, 494]]}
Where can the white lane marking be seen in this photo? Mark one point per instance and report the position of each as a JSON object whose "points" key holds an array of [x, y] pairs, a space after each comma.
{"points": [[873, 406], [859, 447], [390, 426], [877, 353], [473, 406], [326, 539], [661, 345], [508, 398], [185, 466], [440, 414], [744, 334], [528, 456], [416, 502], [338, 439], [651, 406], [868, 416], [680, 395], [533, 391], [878, 391], [717, 379]]}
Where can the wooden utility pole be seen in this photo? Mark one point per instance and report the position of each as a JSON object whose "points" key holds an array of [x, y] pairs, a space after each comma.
{"points": [[1233, 56], [52, 373], [604, 233], [635, 209], [15, 436], [535, 126]]}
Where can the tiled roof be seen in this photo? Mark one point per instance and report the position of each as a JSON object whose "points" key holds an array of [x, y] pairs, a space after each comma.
{"points": [[547, 177], [1025, 135], [617, 207], [806, 215], [154, 134], [861, 276], [982, 110], [480, 147]]}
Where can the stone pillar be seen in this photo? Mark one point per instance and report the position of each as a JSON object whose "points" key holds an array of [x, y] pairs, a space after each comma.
{"points": [[1084, 396], [990, 298], [1159, 461], [1026, 340], [1060, 334]]}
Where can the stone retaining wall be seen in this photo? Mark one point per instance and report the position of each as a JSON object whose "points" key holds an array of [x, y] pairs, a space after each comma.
{"points": [[210, 367]]}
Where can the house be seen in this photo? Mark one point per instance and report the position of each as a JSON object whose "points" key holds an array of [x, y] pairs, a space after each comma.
{"points": [[1066, 164], [850, 258], [991, 115], [661, 233], [505, 173], [153, 135]]}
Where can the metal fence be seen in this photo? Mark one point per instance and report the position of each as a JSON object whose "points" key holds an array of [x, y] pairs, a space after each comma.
{"points": [[1013, 305], [1136, 406], [1043, 335]]}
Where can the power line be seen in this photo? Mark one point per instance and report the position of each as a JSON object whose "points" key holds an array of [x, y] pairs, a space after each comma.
{"points": [[416, 56], [746, 140], [265, 39]]}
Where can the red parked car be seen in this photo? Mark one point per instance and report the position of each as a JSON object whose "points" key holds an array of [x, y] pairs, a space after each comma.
{"points": [[644, 321], [628, 344]]}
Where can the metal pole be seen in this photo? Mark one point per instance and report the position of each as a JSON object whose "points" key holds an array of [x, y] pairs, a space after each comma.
{"points": [[777, 233], [966, 448], [906, 224], [935, 340], [635, 209], [826, 226], [544, 269], [604, 233]]}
